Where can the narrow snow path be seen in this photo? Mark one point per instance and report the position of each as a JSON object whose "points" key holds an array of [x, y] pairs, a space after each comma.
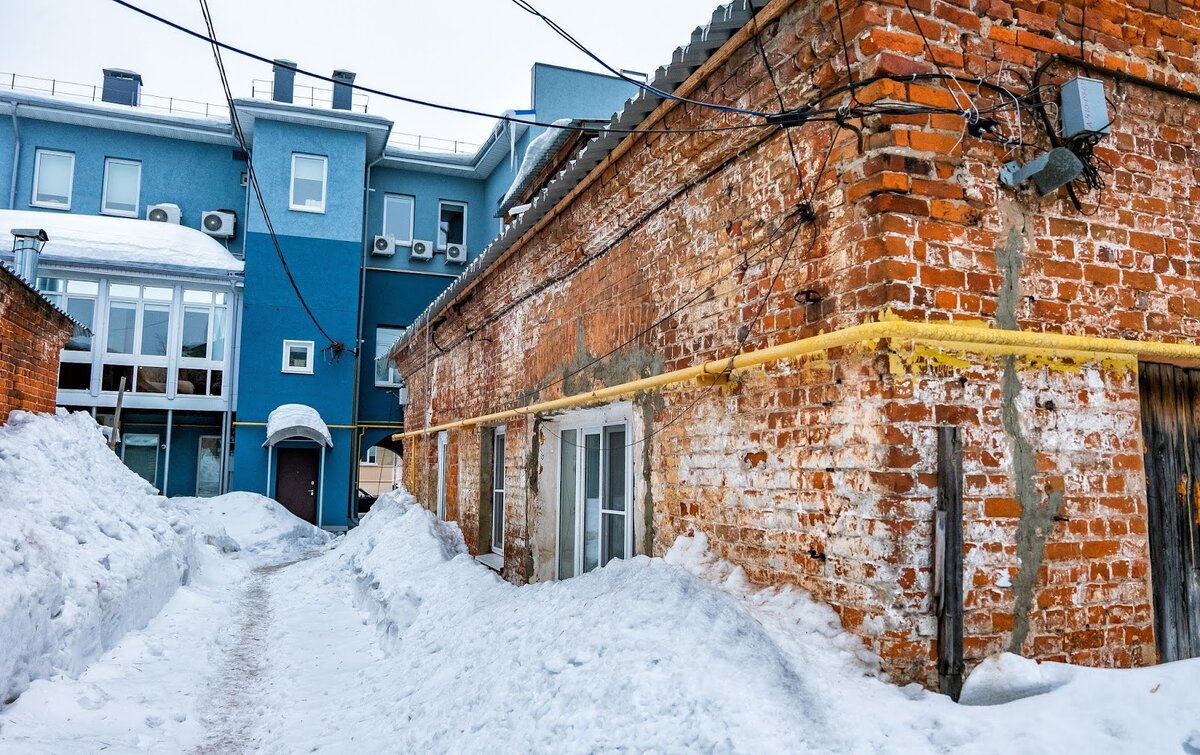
{"points": [[234, 699]]}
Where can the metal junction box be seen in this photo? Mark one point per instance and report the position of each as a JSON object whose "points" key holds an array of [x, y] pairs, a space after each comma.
{"points": [[1083, 107]]}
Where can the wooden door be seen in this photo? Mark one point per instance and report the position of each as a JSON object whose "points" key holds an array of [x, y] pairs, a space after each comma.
{"points": [[1171, 430], [296, 481]]}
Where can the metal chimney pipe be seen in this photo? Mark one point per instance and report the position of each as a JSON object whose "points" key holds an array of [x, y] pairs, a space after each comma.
{"points": [[343, 95], [27, 249], [283, 88]]}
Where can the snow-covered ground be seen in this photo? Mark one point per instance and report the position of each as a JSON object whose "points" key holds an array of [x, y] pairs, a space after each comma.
{"points": [[392, 639]]}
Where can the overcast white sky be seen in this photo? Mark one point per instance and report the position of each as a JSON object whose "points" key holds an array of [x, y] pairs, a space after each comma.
{"points": [[474, 53]]}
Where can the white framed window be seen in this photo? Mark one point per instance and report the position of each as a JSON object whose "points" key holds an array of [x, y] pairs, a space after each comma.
{"points": [[78, 298], [398, 218], [499, 438], [452, 223], [137, 338], [122, 187], [594, 490], [53, 179], [309, 174], [443, 460], [203, 327], [372, 456], [298, 357], [386, 374]]}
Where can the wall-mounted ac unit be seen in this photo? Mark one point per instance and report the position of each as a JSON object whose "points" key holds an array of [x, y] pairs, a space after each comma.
{"points": [[164, 213], [456, 254], [421, 250], [384, 246], [219, 223]]}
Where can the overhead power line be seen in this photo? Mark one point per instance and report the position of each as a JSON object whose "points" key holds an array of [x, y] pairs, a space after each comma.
{"points": [[253, 175], [526, 6]]}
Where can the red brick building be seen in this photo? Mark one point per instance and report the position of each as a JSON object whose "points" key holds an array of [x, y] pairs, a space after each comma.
{"points": [[33, 333], [1063, 332]]}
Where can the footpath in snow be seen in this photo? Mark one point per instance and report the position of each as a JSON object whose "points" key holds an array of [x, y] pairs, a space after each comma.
{"points": [[270, 639]]}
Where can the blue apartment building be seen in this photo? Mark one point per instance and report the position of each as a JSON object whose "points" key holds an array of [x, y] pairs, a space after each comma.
{"points": [[157, 244]]}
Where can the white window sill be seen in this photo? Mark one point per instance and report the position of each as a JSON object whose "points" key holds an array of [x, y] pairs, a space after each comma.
{"points": [[493, 561], [315, 210], [120, 213], [297, 372], [50, 205]]}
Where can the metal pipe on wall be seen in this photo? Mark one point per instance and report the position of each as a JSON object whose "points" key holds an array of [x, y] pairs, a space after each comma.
{"points": [[12, 183]]}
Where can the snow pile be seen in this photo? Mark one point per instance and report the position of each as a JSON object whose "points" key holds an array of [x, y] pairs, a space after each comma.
{"points": [[123, 240], [88, 550], [541, 148], [255, 526]]}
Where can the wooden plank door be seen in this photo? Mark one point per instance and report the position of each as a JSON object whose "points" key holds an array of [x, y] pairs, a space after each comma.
{"points": [[1170, 398], [296, 481]]}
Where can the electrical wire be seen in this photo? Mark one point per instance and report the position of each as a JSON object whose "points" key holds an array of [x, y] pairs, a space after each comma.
{"points": [[528, 7], [419, 102], [253, 178]]}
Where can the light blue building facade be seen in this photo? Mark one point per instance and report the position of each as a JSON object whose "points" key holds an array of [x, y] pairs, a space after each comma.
{"points": [[371, 233]]}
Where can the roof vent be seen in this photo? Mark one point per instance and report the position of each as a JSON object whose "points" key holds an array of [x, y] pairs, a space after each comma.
{"points": [[122, 87], [343, 95], [285, 80], [27, 248]]}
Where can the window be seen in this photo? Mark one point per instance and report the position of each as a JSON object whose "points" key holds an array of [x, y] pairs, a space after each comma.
{"points": [[122, 187], [298, 357], [443, 446], [372, 456], [78, 299], [136, 339], [498, 445], [386, 374], [201, 349], [208, 466], [452, 224], [594, 495], [398, 218], [308, 183], [53, 177]]}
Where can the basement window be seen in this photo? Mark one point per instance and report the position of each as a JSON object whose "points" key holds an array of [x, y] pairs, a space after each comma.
{"points": [[298, 357], [53, 178], [122, 187], [309, 174]]}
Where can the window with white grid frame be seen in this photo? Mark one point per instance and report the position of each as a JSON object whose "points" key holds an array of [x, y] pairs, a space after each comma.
{"points": [[386, 374]]}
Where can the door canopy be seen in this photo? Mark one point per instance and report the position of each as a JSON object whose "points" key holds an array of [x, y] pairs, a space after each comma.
{"points": [[296, 421]]}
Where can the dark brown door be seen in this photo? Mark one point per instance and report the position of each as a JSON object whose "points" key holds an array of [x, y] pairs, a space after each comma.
{"points": [[296, 481], [1171, 430]]}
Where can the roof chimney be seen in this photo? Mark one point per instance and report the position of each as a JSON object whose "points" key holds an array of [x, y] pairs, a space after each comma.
{"points": [[122, 87], [27, 248], [285, 79], [343, 95]]}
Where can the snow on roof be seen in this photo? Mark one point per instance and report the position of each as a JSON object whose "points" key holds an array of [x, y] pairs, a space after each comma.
{"points": [[539, 152], [296, 420], [124, 241]]}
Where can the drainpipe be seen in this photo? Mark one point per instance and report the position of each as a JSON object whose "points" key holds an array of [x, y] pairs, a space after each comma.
{"points": [[356, 450], [12, 182]]}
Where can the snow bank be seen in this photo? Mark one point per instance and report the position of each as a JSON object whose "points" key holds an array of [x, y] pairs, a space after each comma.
{"points": [[255, 526], [88, 550], [677, 654]]}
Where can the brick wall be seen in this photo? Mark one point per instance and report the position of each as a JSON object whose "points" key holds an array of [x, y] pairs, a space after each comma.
{"points": [[821, 472], [32, 334]]}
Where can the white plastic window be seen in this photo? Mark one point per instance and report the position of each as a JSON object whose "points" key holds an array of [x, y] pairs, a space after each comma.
{"points": [[398, 218], [452, 224], [386, 374], [53, 179], [122, 187], [309, 173], [298, 357]]}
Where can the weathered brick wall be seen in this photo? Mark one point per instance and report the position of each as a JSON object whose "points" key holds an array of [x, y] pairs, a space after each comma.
{"points": [[32, 334], [821, 472]]}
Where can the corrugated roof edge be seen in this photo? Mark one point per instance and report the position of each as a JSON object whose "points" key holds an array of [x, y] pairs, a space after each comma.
{"points": [[80, 328], [726, 21]]}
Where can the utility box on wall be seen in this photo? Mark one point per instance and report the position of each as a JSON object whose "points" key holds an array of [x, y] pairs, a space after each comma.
{"points": [[1084, 107]]}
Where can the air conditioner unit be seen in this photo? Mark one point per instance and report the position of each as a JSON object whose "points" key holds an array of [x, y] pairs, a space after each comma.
{"points": [[384, 246], [421, 250], [219, 223], [456, 254], [164, 213]]}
